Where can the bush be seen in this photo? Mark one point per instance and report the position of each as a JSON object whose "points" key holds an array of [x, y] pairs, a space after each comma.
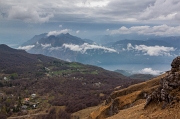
{"points": [[14, 76], [2, 116], [60, 115], [63, 115]]}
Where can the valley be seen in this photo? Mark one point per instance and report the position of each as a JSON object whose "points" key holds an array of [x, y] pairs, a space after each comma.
{"points": [[32, 84], [50, 87]]}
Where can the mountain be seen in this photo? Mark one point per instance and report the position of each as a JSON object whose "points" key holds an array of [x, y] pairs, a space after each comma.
{"points": [[35, 39], [69, 48], [106, 40], [124, 72], [12, 60], [133, 75], [155, 98], [35, 85], [142, 76], [151, 52]]}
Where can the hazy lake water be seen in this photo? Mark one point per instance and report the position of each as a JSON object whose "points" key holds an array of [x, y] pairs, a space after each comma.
{"points": [[137, 67]]}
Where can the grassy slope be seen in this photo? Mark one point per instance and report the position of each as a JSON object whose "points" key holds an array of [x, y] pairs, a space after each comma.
{"points": [[133, 95]]}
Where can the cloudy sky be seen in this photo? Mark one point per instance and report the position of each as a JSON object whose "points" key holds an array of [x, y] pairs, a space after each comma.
{"points": [[20, 20]]}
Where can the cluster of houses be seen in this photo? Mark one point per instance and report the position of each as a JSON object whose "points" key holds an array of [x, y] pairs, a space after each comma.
{"points": [[27, 103]]}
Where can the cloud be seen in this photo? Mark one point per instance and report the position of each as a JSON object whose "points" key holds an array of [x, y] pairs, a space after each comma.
{"points": [[78, 48], [60, 26], [152, 50], [54, 48], [45, 45], [76, 10], [55, 33], [91, 3], [150, 71], [107, 11], [28, 47], [84, 47], [160, 30], [77, 31], [29, 15], [162, 10]]}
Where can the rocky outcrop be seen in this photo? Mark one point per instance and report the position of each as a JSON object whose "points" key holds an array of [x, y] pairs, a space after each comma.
{"points": [[166, 91], [145, 99]]}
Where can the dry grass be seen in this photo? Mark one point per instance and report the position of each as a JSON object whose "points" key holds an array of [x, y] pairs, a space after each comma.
{"points": [[84, 114], [136, 110]]}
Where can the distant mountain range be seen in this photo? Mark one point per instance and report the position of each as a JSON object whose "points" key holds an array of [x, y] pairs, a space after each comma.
{"points": [[152, 50]]}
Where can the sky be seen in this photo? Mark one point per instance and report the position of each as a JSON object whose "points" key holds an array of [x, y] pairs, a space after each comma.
{"points": [[20, 20]]}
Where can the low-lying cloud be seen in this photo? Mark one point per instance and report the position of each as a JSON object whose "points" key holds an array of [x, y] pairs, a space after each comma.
{"points": [[77, 48], [56, 33], [84, 47], [45, 45], [160, 30], [28, 47], [152, 50], [150, 71]]}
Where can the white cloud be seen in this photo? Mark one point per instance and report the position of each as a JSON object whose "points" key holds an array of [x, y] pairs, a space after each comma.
{"points": [[129, 47], [54, 48], [78, 48], [60, 26], [84, 47], [91, 3], [152, 50], [28, 47], [150, 71], [160, 30], [55, 33], [45, 45], [77, 31]]}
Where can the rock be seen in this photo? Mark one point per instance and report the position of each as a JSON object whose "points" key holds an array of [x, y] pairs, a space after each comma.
{"points": [[168, 83]]}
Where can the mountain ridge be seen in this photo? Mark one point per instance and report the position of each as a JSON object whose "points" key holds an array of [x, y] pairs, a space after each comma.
{"points": [[150, 52]]}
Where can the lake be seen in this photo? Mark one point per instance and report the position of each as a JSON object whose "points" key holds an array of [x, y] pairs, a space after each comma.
{"points": [[136, 68]]}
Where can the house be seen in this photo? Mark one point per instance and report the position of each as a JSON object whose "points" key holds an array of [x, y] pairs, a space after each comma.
{"points": [[33, 95], [34, 106], [5, 78], [26, 99]]}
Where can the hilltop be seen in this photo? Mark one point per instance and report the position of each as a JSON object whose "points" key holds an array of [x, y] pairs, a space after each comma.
{"points": [[32, 84], [155, 98]]}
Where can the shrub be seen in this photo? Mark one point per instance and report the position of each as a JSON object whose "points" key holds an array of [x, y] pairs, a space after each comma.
{"points": [[2, 116]]}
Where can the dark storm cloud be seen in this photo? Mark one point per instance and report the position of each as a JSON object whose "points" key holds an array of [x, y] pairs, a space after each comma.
{"points": [[84, 15], [36, 11]]}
